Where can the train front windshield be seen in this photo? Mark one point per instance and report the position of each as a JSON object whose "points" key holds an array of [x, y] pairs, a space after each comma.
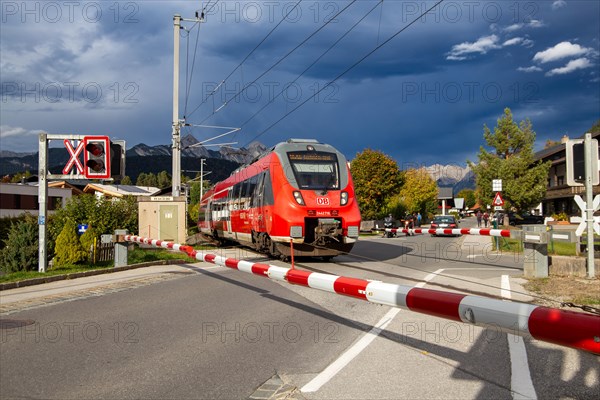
{"points": [[315, 170]]}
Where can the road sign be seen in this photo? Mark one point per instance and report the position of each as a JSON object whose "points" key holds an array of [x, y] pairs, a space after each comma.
{"points": [[498, 200], [583, 206], [497, 185], [74, 160], [81, 228]]}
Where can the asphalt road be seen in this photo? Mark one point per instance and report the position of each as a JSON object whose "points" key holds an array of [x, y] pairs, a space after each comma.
{"points": [[206, 332]]}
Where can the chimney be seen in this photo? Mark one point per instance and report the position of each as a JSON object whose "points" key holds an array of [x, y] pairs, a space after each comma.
{"points": [[564, 139]]}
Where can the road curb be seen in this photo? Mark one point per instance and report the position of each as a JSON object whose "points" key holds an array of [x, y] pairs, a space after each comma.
{"points": [[74, 275]]}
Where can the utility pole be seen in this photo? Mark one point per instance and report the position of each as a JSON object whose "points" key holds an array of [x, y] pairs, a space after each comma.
{"points": [[589, 198], [42, 201], [176, 180], [201, 178]]}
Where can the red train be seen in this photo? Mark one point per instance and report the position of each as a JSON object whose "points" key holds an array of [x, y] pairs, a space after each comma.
{"points": [[300, 191]]}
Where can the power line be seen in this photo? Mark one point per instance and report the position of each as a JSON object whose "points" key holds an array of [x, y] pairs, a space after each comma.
{"points": [[280, 60], [247, 56], [347, 70], [313, 63]]}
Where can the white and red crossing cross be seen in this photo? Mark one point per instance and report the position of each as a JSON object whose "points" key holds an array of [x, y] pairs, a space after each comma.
{"points": [[74, 160]]}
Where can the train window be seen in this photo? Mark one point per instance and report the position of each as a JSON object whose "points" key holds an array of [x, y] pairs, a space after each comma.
{"points": [[255, 201], [251, 186], [315, 170]]}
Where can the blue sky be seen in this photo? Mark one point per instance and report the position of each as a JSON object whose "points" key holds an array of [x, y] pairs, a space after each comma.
{"points": [[105, 68]]}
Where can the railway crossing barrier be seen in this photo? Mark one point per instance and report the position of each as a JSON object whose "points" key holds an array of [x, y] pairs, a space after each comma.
{"points": [[566, 328], [457, 231]]}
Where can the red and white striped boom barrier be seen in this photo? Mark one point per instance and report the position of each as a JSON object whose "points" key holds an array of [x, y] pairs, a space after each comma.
{"points": [[465, 231], [566, 328]]}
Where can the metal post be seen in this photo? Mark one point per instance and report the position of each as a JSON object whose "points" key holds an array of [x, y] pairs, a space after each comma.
{"points": [[589, 212], [120, 248], [201, 178], [176, 180], [42, 200]]}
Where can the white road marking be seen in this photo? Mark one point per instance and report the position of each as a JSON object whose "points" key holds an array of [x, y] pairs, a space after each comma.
{"points": [[520, 377], [332, 370]]}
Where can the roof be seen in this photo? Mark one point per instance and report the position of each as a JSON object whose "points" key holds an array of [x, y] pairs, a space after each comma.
{"points": [[545, 153], [77, 190], [121, 190]]}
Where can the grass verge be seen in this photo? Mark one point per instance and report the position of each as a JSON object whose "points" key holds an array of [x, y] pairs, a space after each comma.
{"points": [[135, 256], [580, 291]]}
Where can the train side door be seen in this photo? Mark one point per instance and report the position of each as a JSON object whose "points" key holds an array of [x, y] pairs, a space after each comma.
{"points": [[230, 205], [264, 202]]}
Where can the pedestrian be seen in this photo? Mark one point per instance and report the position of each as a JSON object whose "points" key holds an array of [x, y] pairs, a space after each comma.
{"points": [[419, 219], [486, 218], [478, 218]]}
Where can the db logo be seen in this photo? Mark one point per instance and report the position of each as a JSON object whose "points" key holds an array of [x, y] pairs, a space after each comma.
{"points": [[322, 201]]}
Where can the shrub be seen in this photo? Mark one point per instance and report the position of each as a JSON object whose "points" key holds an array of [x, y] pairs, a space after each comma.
{"points": [[87, 242], [68, 248], [21, 251], [5, 225]]}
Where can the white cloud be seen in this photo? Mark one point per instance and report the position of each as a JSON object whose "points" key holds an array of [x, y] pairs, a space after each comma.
{"points": [[559, 4], [525, 42], [561, 50], [512, 42], [533, 68], [534, 23], [481, 46], [571, 66]]}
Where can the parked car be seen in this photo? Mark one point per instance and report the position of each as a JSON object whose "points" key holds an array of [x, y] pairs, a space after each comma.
{"points": [[524, 218], [443, 222]]}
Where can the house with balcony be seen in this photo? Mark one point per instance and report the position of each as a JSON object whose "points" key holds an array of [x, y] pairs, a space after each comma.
{"points": [[559, 196]]}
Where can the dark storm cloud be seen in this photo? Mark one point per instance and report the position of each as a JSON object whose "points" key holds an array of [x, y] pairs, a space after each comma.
{"points": [[409, 99]]}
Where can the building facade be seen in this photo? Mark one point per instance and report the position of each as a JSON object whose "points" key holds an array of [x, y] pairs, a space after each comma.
{"points": [[559, 196]]}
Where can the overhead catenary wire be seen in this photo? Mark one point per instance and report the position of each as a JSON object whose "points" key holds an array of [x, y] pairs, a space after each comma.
{"points": [[312, 64], [351, 67], [280, 60], [245, 58]]}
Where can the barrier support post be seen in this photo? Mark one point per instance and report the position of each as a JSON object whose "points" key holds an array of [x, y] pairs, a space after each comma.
{"points": [[120, 248], [535, 251]]}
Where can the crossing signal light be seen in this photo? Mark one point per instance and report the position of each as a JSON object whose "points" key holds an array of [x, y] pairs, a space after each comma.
{"points": [[117, 159], [575, 160], [96, 158]]}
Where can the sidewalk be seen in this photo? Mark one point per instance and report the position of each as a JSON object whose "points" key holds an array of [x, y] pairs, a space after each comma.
{"points": [[67, 288]]}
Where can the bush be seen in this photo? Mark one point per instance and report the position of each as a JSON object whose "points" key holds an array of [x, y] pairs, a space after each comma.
{"points": [[5, 225], [68, 248], [22, 250], [87, 242]]}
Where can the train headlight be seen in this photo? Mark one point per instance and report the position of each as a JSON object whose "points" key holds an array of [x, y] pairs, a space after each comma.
{"points": [[344, 198], [298, 197]]}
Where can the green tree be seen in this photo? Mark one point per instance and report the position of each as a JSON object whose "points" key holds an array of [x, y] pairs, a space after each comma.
{"points": [[21, 175], [469, 196], [419, 192], [21, 246], [523, 179], [163, 179], [126, 180], [68, 248], [194, 192], [377, 179]]}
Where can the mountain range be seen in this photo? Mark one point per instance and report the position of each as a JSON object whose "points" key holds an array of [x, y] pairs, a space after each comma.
{"points": [[142, 158], [454, 176]]}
